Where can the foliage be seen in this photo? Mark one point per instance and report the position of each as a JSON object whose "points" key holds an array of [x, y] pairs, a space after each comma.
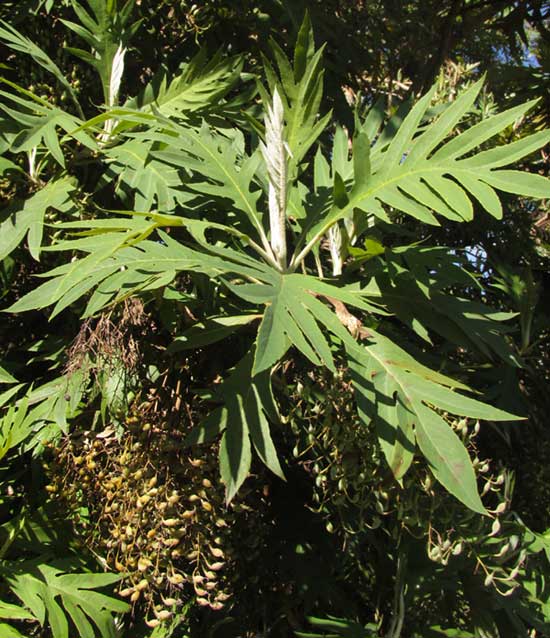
{"points": [[224, 264]]}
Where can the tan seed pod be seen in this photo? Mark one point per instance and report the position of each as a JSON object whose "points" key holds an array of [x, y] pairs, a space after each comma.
{"points": [[210, 575], [143, 584], [170, 522], [144, 564], [170, 602], [206, 506], [164, 614], [170, 542], [135, 596], [119, 566], [194, 497], [152, 623], [198, 578], [203, 602], [152, 482], [126, 592], [206, 483], [196, 462], [222, 596], [192, 555], [217, 566], [176, 579], [220, 523], [153, 491], [217, 606], [210, 585], [200, 592], [176, 553], [151, 533], [216, 552], [489, 580], [188, 514], [173, 499]]}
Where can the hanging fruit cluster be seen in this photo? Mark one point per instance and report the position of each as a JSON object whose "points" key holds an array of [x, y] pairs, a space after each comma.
{"points": [[154, 513]]}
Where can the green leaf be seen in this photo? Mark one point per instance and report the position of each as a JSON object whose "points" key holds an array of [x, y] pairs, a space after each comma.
{"points": [[201, 86], [146, 182], [7, 631], [28, 218], [243, 418], [204, 333], [6, 377], [216, 158], [394, 392], [54, 596], [14, 612], [442, 181], [18, 42], [291, 317], [447, 457], [235, 453]]}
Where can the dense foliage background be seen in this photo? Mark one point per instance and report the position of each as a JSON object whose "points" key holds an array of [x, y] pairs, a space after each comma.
{"points": [[114, 519]]}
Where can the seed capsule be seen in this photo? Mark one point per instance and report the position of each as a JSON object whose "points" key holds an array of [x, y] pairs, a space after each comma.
{"points": [[170, 542], [170, 601], [152, 623], [217, 566], [164, 614], [144, 564]]}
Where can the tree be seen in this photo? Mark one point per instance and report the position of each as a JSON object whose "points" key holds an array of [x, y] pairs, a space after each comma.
{"points": [[289, 244]]}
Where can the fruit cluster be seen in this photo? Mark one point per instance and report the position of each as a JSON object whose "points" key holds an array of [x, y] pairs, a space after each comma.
{"points": [[152, 512]]}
